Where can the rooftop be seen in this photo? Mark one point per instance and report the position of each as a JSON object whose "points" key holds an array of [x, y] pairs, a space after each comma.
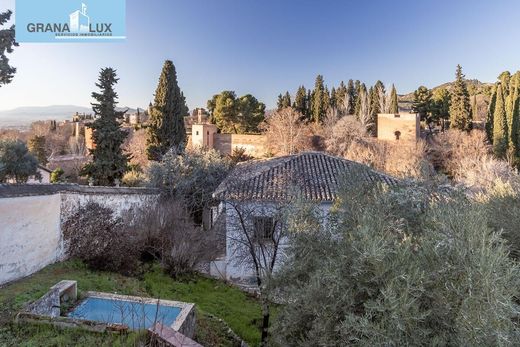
{"points": [[315, 176]]}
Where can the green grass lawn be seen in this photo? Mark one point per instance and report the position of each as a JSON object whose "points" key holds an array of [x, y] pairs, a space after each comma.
{"points": [[239, 310]]}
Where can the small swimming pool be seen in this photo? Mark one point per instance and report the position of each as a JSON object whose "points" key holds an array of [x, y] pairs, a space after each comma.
{"points": [[136, 315]]}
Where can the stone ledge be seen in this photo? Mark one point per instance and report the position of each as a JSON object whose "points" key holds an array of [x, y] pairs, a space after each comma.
{"points": [[16, 190], [166, 336]]}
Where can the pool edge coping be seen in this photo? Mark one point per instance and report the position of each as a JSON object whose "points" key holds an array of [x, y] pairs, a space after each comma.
{"points": [[186, 308]]}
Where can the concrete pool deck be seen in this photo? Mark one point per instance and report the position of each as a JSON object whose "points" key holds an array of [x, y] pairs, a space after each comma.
{"points": [[48, 309]]}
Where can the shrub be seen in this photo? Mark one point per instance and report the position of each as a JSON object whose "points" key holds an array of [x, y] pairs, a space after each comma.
{"points": [[191, 176], [397, 267], [169, 235], [57, 175], [501, 207], [96, 236], [134, 178]]}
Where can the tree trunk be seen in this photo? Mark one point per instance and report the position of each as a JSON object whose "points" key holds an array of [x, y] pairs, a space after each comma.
{"points": [[265, 321]]}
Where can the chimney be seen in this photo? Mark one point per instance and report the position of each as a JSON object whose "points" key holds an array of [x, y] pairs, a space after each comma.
{"points": [[199, 116]]}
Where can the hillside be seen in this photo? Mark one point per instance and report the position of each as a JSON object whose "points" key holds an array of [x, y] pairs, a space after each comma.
{"points": [[482, 91], [23, 116]]}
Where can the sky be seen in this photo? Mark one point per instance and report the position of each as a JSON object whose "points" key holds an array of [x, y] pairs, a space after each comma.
{"points": [[265, 47]]}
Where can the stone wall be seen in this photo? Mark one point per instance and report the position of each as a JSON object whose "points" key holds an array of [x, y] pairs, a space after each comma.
{"points": [[255, 145], [31, 217], [398, 127]]}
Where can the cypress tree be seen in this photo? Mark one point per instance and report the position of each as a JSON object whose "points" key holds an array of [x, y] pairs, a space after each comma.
{"points": [[286, 100], [352, 92], [318, 100], [362, 88], [512, 113], [490, 114], [36, 145], [514, 124], [505, 78], [374, 106], [394, 105], [108, 161], [333, 102], [500, 140], [279, 102], [326, 99], [166, 123], [460, 108], [341, 92], [309, 105]]}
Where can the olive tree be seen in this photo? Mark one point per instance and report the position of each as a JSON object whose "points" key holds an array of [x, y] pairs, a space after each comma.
{"points": [[397, 266]]}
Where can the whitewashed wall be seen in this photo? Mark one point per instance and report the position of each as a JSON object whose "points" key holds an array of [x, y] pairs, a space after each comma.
{"points": [[30, 226], [30, 236], [233, 266]]}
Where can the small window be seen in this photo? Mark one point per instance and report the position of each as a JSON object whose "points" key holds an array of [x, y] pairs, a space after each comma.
{"points": [[196, 132], [264, 228]]}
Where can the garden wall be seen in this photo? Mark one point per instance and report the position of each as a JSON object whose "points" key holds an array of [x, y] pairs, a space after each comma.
{"points": [[31, 218]]}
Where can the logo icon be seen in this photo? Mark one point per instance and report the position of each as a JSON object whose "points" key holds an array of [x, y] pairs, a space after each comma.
{"points": [[79, 21]]}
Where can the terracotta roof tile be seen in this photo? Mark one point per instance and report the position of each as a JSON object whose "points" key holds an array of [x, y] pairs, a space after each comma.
{"points": [[313, 175]]}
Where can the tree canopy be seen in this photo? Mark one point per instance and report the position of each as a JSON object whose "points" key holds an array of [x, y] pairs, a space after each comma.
{"points": [[17, 164], [236, 115], [7, 42]]}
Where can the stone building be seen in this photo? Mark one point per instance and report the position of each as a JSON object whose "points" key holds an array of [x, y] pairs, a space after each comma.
{"points": [[398, 127], [204, 134]]}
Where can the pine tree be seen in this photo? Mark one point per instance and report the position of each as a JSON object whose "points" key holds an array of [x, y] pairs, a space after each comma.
{"points": [[333, 102], [300, 101], [422, 103], [318, 100], [7, 42], [394, 105], [108, 161], [166, 123], [460, 108], [500, 131], [440, 106]]}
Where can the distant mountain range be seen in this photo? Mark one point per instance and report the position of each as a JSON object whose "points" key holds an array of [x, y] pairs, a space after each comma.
{"points": [[24, 116]]}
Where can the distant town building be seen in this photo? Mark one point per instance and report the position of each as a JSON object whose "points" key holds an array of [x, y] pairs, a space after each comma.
{"points": [[45, 176], [398, 127]]}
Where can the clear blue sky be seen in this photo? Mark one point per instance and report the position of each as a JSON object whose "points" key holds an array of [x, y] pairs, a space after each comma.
{"points": [[265, 47]]}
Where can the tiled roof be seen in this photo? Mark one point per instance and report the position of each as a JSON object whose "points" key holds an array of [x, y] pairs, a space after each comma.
{"points": [[14, 190], [312, 175]]}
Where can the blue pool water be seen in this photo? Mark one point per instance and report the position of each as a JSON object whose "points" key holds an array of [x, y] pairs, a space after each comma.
{"points": [[134, 314]]}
